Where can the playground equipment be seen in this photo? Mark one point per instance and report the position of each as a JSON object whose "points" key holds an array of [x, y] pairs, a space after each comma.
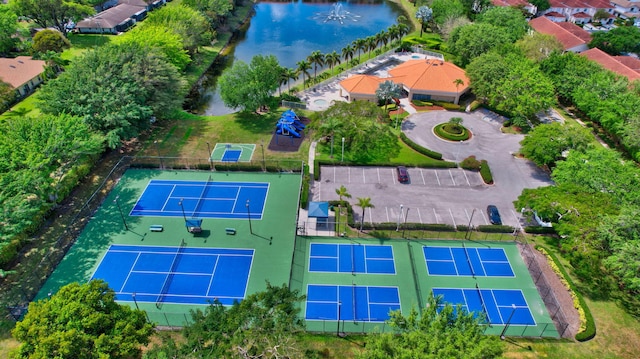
{"points": [[290, 125]]}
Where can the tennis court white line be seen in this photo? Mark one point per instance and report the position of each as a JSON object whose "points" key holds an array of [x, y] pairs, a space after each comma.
{"points": [[166, 201], [193, 274], [213, 275], [454, 262], [130, 270], [235, 201]]}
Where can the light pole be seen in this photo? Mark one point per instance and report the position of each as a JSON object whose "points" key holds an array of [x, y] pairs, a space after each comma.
{"points": [[135, 301], [158, 152], [249, 216], [399, 218], [210, 161], [513, 310], [406, 214], [182, 208], [264, 165], [342, 159], [124, 221], [469, 226], [338, 323]]}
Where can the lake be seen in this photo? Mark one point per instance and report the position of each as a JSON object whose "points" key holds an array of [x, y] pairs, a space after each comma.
{"points": [[291, 31]]}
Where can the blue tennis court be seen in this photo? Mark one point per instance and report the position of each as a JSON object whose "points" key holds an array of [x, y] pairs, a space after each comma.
{"points": [[467, 261], [501, 306], [350, 302], [351, 258], [180, 275], [202, 199]]}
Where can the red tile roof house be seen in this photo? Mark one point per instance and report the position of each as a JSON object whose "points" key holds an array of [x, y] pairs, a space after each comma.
{"points": [[572, 37], [424, 79], [23, 73], [625, 9], [626, 66], [577, 11]]}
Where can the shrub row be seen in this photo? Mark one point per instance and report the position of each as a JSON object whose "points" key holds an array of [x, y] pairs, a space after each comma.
{"points": [[539, 230], [425, 151], [448, 105], [318, 163], [485, 172], [587, 323], [421, 103], [304, 196], [492, 228], [470, 163], [439, 130]]}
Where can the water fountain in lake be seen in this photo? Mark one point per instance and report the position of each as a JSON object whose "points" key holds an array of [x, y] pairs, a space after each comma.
{"points": [[337, 13]]}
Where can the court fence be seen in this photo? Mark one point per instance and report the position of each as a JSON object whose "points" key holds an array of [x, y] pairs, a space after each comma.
{"points": [[32, 274], [544, 288]]}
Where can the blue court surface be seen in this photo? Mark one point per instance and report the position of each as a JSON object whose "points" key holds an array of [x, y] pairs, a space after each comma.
{"points": [[180, 275], [501, 306], [231, 155], [202, 199], [350, 302], [467, 261], [351, 258]]}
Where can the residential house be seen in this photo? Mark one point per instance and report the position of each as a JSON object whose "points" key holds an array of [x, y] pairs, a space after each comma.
{"points": [[524, 4], [119, 18], [422, 79], [626, 9], [578, 11], [23, 73], [572, 37], [626, 66]]}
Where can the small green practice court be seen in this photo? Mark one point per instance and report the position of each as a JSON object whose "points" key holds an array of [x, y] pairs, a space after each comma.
{"points": [[172, 241], [233, 152], [351, 284]]}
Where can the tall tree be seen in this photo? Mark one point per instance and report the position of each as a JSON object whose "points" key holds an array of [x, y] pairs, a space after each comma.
{"points": [[316, 59], [292, 74], [342, 192], [617, 41], [250, 87], [7, 96], [510, 19], [303, 68], [8, 28], [332, 59], [442, 331], [471, 41], [548, 143], [364, 203], [50, 40], [84, 322], [387, 91], [359, 44], [538, 46], [444, 10], [52, 13], [189, 24], [424, 14], [156, 35], [347, 52]]}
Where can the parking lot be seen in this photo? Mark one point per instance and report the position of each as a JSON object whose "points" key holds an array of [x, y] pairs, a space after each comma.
{"points": [[446, 196]]}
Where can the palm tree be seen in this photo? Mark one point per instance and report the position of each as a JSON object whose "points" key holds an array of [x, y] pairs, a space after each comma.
{"points": [[316, 58], [292, 74], [372, 43], [284, 78], [332, 59], [458, 83], [359, 44], [387, 91], [393, 32], [303, 68], [342, 192], [347, 52], [364, 203], [424, 15], [381, 38]]}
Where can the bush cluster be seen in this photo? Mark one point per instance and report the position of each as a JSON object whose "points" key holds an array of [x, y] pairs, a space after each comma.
{"points": [[441, 132], [425, 151], [421, 103], [492, 228], [448, 105], [485, 172], [470, 163]]}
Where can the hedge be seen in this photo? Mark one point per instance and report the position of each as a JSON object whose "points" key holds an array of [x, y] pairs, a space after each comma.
{"points": [[421, 103], [450, 136], [540, 230], [590, 325], [425, 151], [492, 228], [485, 172], [304, 196], [448, 105]]}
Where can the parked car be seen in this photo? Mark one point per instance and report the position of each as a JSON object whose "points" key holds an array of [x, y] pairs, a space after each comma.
{"points": [[494, 214], [403, 174]]}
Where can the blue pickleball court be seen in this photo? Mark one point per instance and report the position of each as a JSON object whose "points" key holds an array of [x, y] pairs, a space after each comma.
{"points": [[467, 261], [350, 302], [179, 275], [231, 155], [202, 199], [501, 306], [351, 258]]}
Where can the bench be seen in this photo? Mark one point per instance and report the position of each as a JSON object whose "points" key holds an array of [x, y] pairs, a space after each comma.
{"points": [[230, 231], [156, 228], [194, 229]]}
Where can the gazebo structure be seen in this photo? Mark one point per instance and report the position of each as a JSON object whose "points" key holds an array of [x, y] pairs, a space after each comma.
{"points": [[319, 211]]}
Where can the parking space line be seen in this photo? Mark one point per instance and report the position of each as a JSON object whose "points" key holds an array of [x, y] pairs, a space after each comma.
{"points": [[364, 179], [438, 178], [453, 219], [370, 218], [422, 175], [515, 215], [386, 209], [483, 217], [452, 180], [436, 214], [419, 216], [349, 171], [467, 213], [334, 174], [379, 175], [393, 178], [465, 176]]}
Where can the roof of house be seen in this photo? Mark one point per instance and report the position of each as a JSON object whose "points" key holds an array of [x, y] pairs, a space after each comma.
{"points": [[139, 3], [566, 34], [554, 14], [581, 15], [579, 4], [625, 3], [631, 62], [363, 84], [16, 72], [576, 30], [510, 2], [611, 63], [110, 18], [430, 75]]}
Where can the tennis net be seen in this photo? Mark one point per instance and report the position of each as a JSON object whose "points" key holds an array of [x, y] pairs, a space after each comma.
{"points": [[204, 190], [353, 298], [466, 253], [484, 307], [169, 278]]}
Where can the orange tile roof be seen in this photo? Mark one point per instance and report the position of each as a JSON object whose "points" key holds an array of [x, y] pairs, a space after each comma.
{"points": [[567, 38], [17, 72], [362, 84], [430, 75], [576, 30], [611, 63], [630, 62]]}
